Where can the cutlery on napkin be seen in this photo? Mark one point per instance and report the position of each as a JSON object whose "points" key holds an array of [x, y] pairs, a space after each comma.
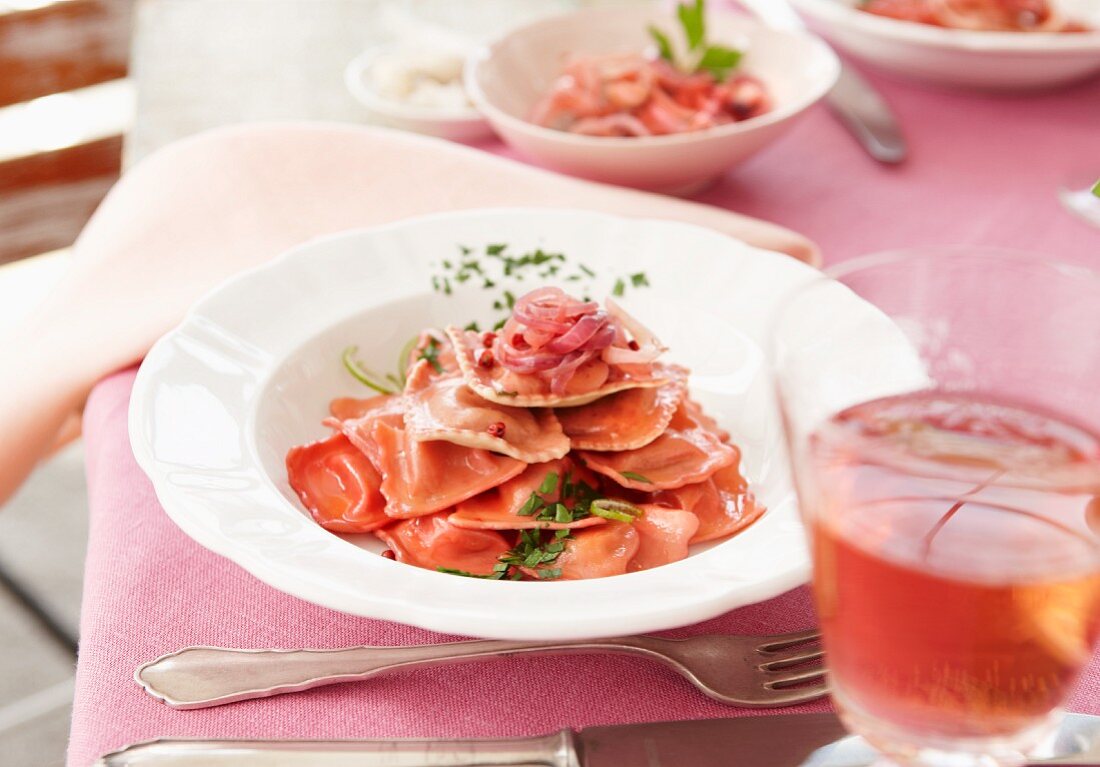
{"points": [[793, 740], [210, 206]]}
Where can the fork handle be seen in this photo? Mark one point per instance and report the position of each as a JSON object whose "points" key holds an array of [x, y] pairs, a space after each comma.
{"points": [[199, 677]]}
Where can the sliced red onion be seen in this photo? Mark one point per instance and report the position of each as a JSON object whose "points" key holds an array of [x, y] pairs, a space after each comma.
{"points": [[580, 334]]}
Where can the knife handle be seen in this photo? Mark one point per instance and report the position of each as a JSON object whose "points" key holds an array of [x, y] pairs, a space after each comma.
{"points": [[558, 750]]}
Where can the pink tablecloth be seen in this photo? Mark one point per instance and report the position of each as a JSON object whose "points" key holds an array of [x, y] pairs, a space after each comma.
{"points": [[983, 170]]}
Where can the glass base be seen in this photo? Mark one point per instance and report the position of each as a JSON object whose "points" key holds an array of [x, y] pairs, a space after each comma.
{"points": [[899, 747]]}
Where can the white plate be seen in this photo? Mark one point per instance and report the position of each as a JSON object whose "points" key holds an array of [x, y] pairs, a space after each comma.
{"points": [[506, 79], [963, 58], [251, 370]]}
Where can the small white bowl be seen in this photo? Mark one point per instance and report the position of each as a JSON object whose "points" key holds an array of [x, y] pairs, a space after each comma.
{"points": [[963, 58], [505, 79], [462, 124]]}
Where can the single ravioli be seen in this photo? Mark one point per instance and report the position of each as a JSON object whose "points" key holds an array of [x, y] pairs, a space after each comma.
{"points": [[338, 485], [689, 451], [446, 409], [625, 420], [498, 509], [421, 478], [663, 536], [591, 381], [430, 542], [349, 408], [722, 503], [597, 552]]}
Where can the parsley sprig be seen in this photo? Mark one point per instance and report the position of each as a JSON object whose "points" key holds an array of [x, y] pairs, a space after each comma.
{"points": [[719, 60]]}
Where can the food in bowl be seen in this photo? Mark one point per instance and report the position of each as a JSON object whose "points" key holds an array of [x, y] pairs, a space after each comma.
{"points": [[978, 15], [420, 76], [676, 88], [558, 446]]}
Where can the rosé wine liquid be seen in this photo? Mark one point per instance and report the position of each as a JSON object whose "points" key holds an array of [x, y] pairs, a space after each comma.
{"points": [[956, 574]]}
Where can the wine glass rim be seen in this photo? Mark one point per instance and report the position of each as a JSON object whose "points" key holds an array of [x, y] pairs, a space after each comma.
{"points": [[984, 252]]}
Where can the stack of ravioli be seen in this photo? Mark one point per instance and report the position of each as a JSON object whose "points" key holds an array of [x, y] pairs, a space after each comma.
{"points": [[468, 471]]}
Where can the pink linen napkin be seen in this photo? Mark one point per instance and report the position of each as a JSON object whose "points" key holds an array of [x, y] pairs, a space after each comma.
{"points": [[984, 170]]}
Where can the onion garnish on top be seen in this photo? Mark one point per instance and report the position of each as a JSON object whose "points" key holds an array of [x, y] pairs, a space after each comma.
{"points": [[552, 335]]}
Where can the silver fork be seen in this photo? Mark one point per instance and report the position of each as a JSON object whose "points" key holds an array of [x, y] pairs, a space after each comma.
{"points": [[737, 670]]}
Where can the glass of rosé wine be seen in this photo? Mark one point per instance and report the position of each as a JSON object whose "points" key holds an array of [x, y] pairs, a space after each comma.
{"points": [[945, 446]]}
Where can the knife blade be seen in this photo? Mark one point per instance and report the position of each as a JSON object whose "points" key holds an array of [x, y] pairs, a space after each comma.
{"points": [[855, 101], [790, 740]]}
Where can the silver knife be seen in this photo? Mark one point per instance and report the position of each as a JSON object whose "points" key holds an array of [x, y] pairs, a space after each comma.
{"points": [[860, 107], [791, 740]]}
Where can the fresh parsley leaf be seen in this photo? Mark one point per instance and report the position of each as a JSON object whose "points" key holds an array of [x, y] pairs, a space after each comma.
{"points": [[619, 289], [530, 506], [495, 250], [664, 45], [720, 61], [472, 326], [693, 20], [547, 574], [636, 477], [549, 482], [509, 299], [639, 280]]}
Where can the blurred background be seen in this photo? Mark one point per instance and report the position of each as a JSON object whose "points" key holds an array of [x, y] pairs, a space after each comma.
{"points": [[65, 101]]}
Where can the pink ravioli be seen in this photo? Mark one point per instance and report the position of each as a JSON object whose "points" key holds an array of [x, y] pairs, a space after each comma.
{"points": [[625, 420], [591, 381], [598, 552], [689, 451], [497, 509], [431, 542], [722, 503], [446, 409], [663, 536], [338, 485], [423, 477], [349, 408]]}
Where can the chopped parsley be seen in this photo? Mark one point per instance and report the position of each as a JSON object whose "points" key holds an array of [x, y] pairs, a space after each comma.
{"points": [[498, 265], [431, 354], [636, 477]]}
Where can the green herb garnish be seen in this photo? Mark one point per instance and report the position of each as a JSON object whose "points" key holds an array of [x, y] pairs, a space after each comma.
{"points": [[549, 482], [718, 60], [620, 511], [636, 477], [639, 280], [619, 289], [1096, 189], [361, 374], [431, 354]]}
